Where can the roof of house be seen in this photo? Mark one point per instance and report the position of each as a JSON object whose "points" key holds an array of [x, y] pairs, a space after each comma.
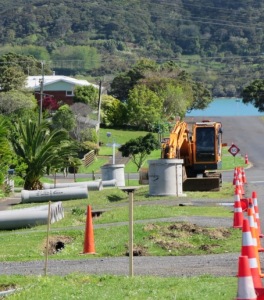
{"points": [[33, 82]]}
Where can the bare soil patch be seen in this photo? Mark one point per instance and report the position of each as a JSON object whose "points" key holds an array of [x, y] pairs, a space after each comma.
{"points": [[57, 244], [180, 236]]}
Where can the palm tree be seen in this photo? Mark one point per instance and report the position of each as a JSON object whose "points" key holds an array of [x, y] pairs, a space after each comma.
{"points": [[40, 147], [5, 153]]}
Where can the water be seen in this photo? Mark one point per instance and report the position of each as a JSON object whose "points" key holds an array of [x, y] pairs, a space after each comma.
{"points": [[224, 107]]}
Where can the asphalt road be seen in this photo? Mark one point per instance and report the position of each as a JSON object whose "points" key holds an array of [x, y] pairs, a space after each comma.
{"points": [[245, 132]]}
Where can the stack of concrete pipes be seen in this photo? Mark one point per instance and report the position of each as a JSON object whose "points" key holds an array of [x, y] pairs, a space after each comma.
{"points": [[31, 216]]}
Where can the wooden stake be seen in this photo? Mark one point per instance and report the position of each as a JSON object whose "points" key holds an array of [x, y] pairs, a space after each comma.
{"points": [[47, 241]]}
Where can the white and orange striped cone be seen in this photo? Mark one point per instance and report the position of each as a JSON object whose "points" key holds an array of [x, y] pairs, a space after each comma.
{"points": [[248, 249], [239, 180], [245, 289], [246, 159], [238, 189], [253, 224], [235, 176], [238, 213], [255, 204], [244, 178]]}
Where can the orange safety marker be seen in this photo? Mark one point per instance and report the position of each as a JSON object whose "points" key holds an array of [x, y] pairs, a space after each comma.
{"points": [[244, 179], [239, 180], [89, 247], [252, 211], [254, 224], [244, 203], [246, 159], [238, 189], [245, 289], [238, 213], [248, 249], [235, 176], [255, 204]]}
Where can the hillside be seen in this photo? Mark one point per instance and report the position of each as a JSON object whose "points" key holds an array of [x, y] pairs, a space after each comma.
{"points": [[219, 42]]}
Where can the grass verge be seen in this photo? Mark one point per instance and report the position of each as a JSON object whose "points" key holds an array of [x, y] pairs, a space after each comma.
{"points": [[80, 286]]}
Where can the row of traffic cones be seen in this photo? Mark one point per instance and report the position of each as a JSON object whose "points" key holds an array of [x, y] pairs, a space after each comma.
{"points": [[250, 285], [246, 289], [250, 276]]}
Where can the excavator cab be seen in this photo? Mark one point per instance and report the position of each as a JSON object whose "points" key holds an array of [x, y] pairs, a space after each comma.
{"points": [[207, 146]]}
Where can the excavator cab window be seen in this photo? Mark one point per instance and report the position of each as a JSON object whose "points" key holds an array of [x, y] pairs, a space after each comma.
{"points": [[205, 144]]}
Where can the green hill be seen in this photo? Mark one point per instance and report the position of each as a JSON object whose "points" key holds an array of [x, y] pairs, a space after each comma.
{"points": [[219, 42]]}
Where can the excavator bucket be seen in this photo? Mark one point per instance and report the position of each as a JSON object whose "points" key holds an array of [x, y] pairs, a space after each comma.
{"points": [[212, 181]]}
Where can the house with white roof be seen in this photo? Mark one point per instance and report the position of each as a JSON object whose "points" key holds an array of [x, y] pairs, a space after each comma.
{"points": [[59, 87]]}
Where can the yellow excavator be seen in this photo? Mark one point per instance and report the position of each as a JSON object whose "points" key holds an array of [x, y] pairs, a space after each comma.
{"points": [[200, 147]]}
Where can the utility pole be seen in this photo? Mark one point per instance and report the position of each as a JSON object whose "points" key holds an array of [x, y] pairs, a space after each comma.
{"points": [[41, 91], [99, 109], [99, 101]]}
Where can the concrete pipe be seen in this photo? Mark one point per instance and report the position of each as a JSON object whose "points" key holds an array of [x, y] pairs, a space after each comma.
{"points": [[31, 216], [113, 171], [107, 183], [56, 206], [54, 194], [90, 185], [17, 219], [49, 186]]}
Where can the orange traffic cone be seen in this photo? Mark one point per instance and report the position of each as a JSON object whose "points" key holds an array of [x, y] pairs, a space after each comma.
{"points": [[255, 204], [253, 224], [238, 213], [239, 181], [235, 176], [248, 249], [244, 179], [245, 290], [238, 189], [89, 235], [246, 159]]}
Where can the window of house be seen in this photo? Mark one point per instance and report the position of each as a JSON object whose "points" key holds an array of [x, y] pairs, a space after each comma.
{"points": [[69, 93]]}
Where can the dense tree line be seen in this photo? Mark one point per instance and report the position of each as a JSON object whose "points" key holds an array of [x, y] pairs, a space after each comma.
{"points": [[223, 40]]}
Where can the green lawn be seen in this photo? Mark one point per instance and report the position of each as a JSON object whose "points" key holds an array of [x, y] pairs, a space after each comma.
{"points": [[83, 286], [153, 238]]}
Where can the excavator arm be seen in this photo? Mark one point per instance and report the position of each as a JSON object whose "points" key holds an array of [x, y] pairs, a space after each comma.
{"points": [[177, 145]]}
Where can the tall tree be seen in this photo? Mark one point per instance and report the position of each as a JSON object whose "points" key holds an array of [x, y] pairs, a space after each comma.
{"points": [[64, 118], [254, 93], [87, 95], [39, 147], [114, 112], [123, 83], [14, 69], [138, 149], [143, 106], [15, 102], [5, 150]]}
